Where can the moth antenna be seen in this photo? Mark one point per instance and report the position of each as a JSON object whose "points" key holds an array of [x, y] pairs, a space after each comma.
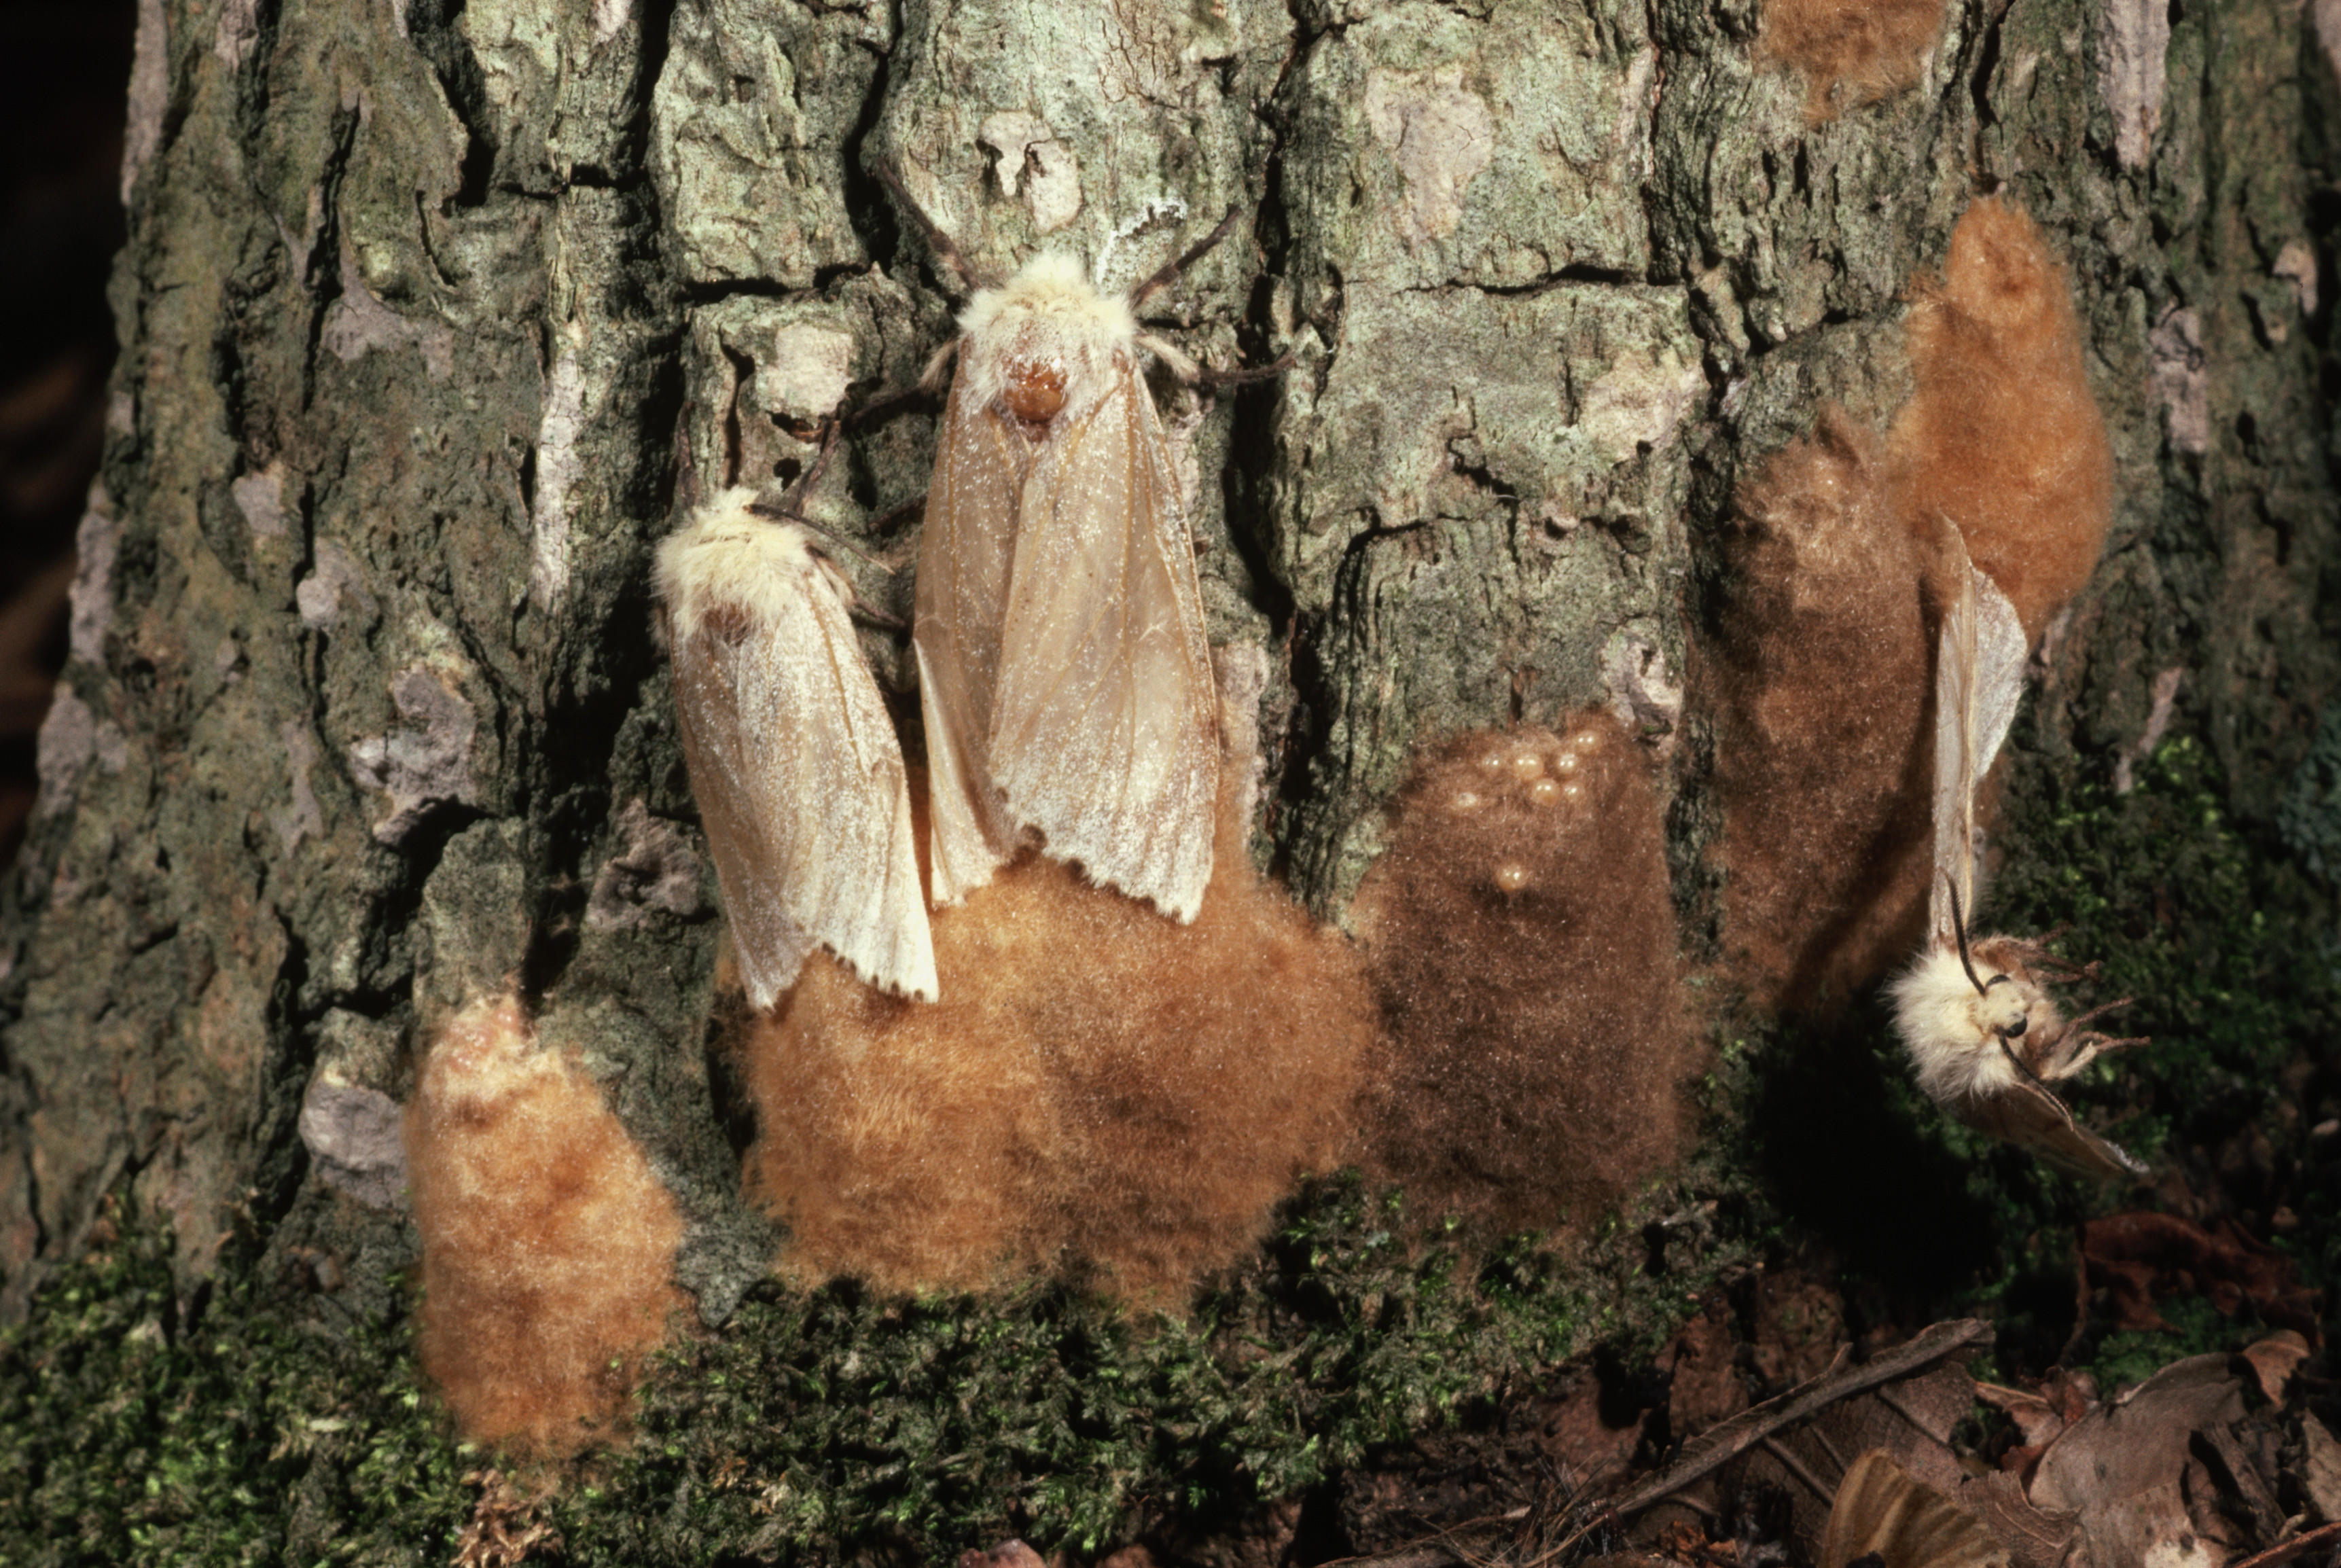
{"points": [[2022, 1066], [939, 243], [1206, 376], [930, 382], [687, 488], [1195, 253], [793, 499], [894, 517], [1959, 930], [780, 513]]}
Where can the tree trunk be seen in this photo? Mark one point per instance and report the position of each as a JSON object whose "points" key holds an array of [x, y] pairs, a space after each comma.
{"points": [[426, 304]]}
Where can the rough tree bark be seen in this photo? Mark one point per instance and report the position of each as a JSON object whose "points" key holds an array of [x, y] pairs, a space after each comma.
{"points": [[426, 301]]}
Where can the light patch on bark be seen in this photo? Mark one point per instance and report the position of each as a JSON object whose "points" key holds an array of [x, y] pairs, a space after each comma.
{"points": [[1242, 669], [238, 31], [1639, 402], [610, 17], [150, 93], [2327, 14], [1179, 429], [807, 373], [1638, 105], [2296, 263], [2158, 721], [558, 467], [1441, 136], [1032, 160], [2131, 48], [260, 498], [71, 738], [655, 869], [2182, 383], [352, 1138], [517, 43], [358, 323], [303, 818], [1644, 693], [426, 764], [336, 577], [92, 595]]}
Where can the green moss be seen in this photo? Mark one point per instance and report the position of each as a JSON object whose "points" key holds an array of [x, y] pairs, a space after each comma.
{"points": [[2196, 1328], [2204, 927], [819, 1426], [135, 1432], [815, 1426]]}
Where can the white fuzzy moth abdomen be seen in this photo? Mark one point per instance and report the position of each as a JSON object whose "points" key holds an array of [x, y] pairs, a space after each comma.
{"points": [[792, 756], [1065, 675]]}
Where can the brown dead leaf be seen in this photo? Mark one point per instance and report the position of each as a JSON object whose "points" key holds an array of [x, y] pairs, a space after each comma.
{"points": [[2320, 1469], [2122, 1468], [2140, 1258], [507, 1524], [1704, 1385], [1010, 1553], [2041, 1412], [2272, 1360]]}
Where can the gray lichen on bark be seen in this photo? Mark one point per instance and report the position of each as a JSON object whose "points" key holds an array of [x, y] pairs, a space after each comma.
{"points": [[427, 303]]}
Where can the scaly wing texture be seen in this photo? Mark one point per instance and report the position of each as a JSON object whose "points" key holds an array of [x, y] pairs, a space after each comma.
{"points": [[1880, 1509], [1979, 680], [962, 593], [1955, 758], [1105, 729], [799, 783], [2030, 1117]]}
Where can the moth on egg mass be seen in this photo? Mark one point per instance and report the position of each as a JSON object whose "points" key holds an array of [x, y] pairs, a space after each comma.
{"points": [[792, 756], [1065, 678], [1976, 1017]]}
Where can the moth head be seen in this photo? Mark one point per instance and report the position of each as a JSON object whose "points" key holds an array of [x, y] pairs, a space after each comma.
{"points": [[1044, 340], [2006, 996]]}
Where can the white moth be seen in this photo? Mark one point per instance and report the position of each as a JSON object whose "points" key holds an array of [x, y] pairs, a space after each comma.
{"points": [[1064, 673], [1982, 1034], [792, 756]]}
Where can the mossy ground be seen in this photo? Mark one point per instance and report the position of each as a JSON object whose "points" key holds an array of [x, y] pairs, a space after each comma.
{"points": [[814, 1427], [263, 1425]]}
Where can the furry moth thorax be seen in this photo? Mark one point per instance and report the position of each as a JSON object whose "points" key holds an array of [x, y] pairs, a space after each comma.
{"points": [[731, 569], [1962, 1042], [1046, 343]]}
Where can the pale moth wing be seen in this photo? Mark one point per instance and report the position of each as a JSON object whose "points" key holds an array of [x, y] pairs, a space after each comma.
{"points": [[1067, 678], [963, 562], [1983, 1037], [1881, 1508], [792, 756], [1105, 728], [1978, 681]]}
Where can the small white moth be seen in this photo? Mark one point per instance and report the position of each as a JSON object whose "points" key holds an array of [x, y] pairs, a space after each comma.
{"points": [[1064, 673], [792, 756], [1982, 1034]]}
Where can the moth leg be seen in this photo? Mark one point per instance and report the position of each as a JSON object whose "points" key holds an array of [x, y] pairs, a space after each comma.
{"points": [[1244, 375], [2093, 1046], [1179, 365]]}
